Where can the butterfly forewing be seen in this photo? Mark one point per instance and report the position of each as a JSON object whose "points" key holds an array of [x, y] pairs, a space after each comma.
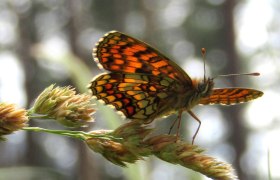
{"points": [[117, 52], [231, 96], [138, 96]]}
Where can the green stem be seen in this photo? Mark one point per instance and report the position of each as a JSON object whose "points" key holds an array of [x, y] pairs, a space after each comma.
{"points": [[74, 134], [32, 115], [268, 164], [38, 116], [30, 111]]}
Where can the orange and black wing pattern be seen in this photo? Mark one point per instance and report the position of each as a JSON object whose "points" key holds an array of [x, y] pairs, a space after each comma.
{"points": [[138, 96], [231, 96], [117, 52]]}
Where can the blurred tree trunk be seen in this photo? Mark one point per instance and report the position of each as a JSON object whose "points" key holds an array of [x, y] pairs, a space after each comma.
{"points": [[233, 114], [27, 37]]}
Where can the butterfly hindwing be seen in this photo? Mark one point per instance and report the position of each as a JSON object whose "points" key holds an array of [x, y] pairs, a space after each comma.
{"points": [[231, 96], [138, 96]]}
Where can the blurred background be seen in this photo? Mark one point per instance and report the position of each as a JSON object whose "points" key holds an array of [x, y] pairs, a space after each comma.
{"points": [[48, 41]]}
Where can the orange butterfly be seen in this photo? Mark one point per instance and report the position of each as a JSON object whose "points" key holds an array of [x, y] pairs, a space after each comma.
{"points": [[144, 84]]}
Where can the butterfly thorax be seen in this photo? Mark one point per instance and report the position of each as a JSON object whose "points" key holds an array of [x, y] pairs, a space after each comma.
{"points": [[201, 88]]}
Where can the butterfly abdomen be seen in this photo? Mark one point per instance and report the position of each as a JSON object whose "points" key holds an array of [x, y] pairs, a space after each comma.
{"points": [[231, 96]]}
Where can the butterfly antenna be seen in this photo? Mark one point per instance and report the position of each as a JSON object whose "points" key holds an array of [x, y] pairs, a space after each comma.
{"points": [[240, 74], [203, 52]]}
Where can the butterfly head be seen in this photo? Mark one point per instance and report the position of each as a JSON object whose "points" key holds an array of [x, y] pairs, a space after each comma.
{"points": [[204, 87]]}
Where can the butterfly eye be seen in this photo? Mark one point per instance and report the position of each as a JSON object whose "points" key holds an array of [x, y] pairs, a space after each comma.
{"points": [[203, 87]]}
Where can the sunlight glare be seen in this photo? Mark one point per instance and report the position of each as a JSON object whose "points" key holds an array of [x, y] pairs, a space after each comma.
{"points": [[174, 15], [194, 67], [252, 22], [257, 115], [267, 66], [11, 79], [274, 149], [55, 47]]}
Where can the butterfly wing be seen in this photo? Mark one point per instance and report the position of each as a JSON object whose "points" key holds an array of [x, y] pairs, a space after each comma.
{"points": [[138, 96], [231, 96], [117, 52]]}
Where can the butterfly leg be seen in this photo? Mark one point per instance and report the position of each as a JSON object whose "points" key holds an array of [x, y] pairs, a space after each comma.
{"points": [[171, 127], [174, 122], [196, 118], [179, 123]]}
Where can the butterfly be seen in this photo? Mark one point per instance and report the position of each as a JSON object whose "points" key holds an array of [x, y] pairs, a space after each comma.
{"points": [[144, 84]]}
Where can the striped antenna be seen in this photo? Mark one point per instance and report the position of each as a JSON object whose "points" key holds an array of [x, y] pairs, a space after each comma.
{"points": [[203, 52]]}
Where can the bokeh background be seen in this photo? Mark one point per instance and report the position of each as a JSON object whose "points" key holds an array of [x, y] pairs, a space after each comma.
{"points": [[49, 41]]}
